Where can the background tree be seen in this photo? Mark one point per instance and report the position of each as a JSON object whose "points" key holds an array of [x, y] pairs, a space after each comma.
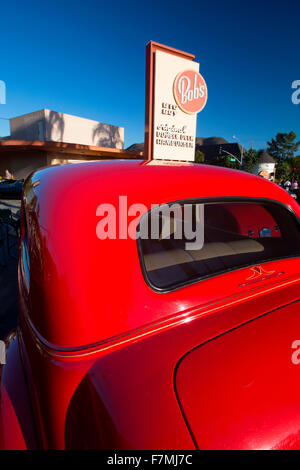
{"points": [[283, 146], [199, 157], [225, 161], [250, 159], [296, 168], [284, 171]]}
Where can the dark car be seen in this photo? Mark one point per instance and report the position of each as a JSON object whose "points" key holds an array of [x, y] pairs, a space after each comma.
{"points": [[11, 189]]}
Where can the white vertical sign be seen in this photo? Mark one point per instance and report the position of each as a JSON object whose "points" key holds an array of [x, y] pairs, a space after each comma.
{"points": [[174, 131]]}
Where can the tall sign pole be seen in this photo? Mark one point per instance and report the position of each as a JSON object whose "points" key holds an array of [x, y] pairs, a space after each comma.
{"points": [[175, 93]]}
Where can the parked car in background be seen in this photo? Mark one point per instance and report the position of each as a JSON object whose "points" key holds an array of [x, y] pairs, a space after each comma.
{"points": [[292, 192], [130, 336], [11, 189]]}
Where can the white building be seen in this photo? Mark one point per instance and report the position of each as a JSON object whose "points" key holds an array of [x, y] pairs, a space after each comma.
{"points": [[45, 138], [46, 125], [265, 166]]}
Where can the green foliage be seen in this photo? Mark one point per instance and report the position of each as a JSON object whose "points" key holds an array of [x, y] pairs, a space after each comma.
{"points": [[225, 161], [250, 159], [284, 171], [283, 146], [296, 164], [199, 157]]}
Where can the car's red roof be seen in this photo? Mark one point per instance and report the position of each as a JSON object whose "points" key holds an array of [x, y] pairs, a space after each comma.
{"points": [[160, 181], [91, 290]]}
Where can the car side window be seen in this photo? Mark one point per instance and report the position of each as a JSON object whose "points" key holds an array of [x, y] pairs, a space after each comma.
{"points": [[231, 234]]}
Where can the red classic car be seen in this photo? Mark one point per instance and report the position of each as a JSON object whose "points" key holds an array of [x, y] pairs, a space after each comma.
{"points": [[159, 309]]}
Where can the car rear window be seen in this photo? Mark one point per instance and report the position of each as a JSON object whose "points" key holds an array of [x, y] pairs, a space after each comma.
{"points": [[184, 242]]}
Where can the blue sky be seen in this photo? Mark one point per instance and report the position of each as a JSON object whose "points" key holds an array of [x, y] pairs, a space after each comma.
{"points": [[88, 58]]}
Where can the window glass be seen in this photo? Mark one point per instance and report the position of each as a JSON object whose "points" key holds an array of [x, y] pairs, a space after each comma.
{"points": [[181, 243]]}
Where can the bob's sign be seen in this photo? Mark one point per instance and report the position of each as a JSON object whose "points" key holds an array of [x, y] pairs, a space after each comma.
{"points": [[190, 91], [175, 93]]}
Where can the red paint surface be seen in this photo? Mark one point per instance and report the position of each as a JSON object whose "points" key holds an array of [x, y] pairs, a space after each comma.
{"points": [[100, 349]]}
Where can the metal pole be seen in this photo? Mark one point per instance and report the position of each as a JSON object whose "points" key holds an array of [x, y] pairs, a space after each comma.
{"points": [[240, 161], [234, 137]]}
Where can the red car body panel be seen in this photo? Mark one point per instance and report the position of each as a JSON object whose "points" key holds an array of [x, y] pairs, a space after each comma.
{"points": [[108, 362], [244, 404]]}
